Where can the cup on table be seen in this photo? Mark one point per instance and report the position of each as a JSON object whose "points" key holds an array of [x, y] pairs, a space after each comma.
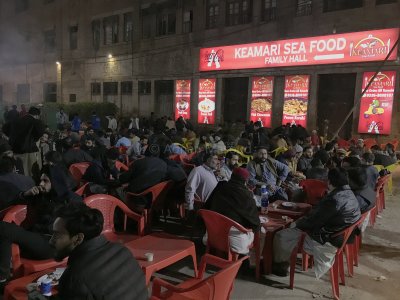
{"points": [[45, 287], [274, 205], [149, 256], [286, 218]]}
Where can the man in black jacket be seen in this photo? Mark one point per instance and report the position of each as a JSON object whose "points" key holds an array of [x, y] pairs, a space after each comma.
{"points": [[235, 201], [23, 133], [338, 210], [97, 268]]}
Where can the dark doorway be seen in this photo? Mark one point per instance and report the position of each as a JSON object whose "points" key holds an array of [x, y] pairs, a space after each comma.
{"points": [[335, 100], [164, 90], [235, 99]]}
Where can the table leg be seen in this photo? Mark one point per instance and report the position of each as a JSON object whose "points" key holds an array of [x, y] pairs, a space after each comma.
{"points": [[267, 253], [194, 257]]}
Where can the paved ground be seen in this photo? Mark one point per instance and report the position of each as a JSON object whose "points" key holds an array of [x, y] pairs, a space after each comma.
{"points": [[377, 276]]}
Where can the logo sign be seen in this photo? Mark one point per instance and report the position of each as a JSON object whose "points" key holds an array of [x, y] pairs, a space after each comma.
{"points": [[295, 101], [261, 100], [376, 104], [353, 47], [206, 106], [182, 98]]}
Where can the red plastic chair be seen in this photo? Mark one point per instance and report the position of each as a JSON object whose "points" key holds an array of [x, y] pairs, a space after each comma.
{"points": [[337, 270], [215, 287], [314, 189], [343, 144], [158, 195], [380, 189], [23, 266], [82, 191], [218, 227], [175, 157], [77, 170], [107, 205], [121, 166]]}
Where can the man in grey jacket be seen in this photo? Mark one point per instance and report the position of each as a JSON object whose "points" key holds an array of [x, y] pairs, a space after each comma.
{"points": [[338, 210]]}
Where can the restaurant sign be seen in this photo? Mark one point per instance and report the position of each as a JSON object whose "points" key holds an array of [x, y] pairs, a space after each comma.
{"points": [[182, 98], [365, 46], [261, 100], [376, 104], [296, 99], [206, 106]]}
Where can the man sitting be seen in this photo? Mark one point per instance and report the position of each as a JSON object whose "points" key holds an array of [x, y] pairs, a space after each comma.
{"points": [[267, 171], [232, 160], [201, 181], [317, 171], [73, 155], [372, 172], [381, 158], [304, 163], [358, 181], [234, 200], [97, 269], [336, 211]]}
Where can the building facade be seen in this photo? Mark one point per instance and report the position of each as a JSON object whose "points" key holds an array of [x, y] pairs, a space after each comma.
{"points": [[130, 52]]}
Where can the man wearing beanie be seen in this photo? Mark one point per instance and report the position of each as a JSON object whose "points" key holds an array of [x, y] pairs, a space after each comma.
{"points": [[234, 200]]}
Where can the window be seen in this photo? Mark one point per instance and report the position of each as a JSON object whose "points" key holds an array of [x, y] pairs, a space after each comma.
{"points": [[50, 92], [73, 37], [144, 87], [379, 2], [238, 12], [212, 14], [304, 7], [188, 21], [147, 22], [333, 5], [166, 23], [96, 88], [268, 10], [23, 93], [110, 88], [96, 34], [21, 5], [110, 27], [126, 88], [72, 97], [50, 40], [128, 27]]}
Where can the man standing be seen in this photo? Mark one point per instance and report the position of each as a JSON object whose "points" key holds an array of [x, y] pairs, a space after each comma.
{"points": [[260, 136], [112, 123], [97, 268], [24, 134], [265, 170], [12, 115], [95, 121], [61, 119], [76, 123]]}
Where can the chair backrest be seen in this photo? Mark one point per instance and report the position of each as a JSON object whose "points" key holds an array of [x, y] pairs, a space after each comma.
{"points": [[218, 227], [343, 144], [78, 169], [369, 143], [16, 214], [159, 193], [121, 166], [106, 204], [346, 233], [314, 189]]}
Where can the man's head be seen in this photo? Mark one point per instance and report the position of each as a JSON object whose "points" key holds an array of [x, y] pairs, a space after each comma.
{"points": [[144, 140], [389, 148], [7, 165], [34, 112], [360, 143], [299, 150], [90, 131], [211, 160], [375, 149], [232, 160], [75, 223], [316, 163], [6, 150], [45, 182], [89, 143], [308, 152], [44, 138], [257, 125], [329, 147], [262, 154], [340, 154], [351, 162], [368, 158], [112, 156], [337, 177], [61, 110], [357, 178]]}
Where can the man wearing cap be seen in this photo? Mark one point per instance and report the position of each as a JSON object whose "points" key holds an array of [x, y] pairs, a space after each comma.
{"points": [[265, 170], [201, 181], [23, 135], [234, 200]]}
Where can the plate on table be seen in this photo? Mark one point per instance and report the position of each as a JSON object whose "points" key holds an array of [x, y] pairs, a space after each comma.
{"points": [[53, 276], [289, 204], [263, 219]]}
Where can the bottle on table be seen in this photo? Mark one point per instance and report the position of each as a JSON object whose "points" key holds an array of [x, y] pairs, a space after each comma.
{"points": [[264, 199]]}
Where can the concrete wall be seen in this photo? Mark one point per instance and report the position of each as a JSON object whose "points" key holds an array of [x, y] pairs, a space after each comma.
{"points": [[23, 59]]}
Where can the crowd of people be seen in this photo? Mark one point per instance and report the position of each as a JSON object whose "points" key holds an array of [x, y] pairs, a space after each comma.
{"points": [[34, 170]]}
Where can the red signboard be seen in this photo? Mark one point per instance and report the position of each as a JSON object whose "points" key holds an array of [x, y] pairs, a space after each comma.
{"points": [[261, 100], [182, 98], [363, 46], [296, 99], [206, 107], [376, 104]]}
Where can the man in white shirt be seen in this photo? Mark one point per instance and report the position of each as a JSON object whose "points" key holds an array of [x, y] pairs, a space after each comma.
{"points": [[61, 118], [112, 123], [201, 181]]}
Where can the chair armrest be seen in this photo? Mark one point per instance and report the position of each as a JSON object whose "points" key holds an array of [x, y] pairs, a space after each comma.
{"points": [[134, 216], [159, 283], [144, 193]]}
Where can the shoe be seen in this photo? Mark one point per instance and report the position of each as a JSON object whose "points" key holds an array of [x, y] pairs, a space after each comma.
{"points": [[280, 269]]}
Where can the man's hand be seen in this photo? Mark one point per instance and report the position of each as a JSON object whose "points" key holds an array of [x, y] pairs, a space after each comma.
{"points": [[33, 191]]}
